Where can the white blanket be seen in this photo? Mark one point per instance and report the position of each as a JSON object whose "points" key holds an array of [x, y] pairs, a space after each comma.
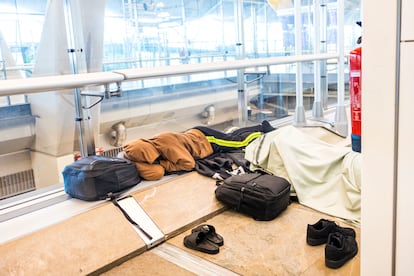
{"points": [[324, 177]]}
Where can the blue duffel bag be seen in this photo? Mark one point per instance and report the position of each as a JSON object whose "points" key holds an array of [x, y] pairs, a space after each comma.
{"points": [[99, 177]]}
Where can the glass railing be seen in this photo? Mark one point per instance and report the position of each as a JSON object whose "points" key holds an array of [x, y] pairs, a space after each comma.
{"points": [[41, 136]]}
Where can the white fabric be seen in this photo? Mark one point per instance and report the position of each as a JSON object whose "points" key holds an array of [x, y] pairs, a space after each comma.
{"points": [[325, 177]]}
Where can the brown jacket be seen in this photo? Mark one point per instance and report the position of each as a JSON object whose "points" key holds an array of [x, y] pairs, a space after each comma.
{"points": [[168, 152]]}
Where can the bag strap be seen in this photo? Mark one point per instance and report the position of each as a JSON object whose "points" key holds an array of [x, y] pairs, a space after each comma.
{"points": [[258, 149], [115, 202], [219, 182], [111, 195]]}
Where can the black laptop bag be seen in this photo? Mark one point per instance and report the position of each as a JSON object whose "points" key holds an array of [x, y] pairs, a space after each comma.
{"points": [[261, 196], [99, 177]]}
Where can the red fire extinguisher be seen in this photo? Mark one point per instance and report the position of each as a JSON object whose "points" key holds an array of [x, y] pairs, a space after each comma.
{"points": [[355, 95]]}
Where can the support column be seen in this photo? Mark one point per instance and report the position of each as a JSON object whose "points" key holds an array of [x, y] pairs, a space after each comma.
{"points": [[56, 135], [383, 114]]}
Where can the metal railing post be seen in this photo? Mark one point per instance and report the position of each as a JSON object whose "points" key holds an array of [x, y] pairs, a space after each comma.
{"points": [[317, 110], [341, 118], [241, 91], [299, 117], [86, 139]]}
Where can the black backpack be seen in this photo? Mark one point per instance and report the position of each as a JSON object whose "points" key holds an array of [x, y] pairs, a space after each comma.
{"points": [[99, 177], [261, 196]]}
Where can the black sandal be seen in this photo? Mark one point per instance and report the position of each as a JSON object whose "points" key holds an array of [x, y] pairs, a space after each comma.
{"points": [[210, 232], [198, 241]]}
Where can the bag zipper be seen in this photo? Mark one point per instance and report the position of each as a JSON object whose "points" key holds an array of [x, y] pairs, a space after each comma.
{"points": [[241, 198]]}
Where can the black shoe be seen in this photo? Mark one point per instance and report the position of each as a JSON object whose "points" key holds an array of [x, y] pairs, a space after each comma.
{"points": [[318, 233], [339, 249], [198, 241], [210, 233]]}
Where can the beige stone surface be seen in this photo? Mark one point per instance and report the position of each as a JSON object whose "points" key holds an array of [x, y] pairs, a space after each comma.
{"points": [[180, 202], [77, 246], [276, 247], [148, 264]]}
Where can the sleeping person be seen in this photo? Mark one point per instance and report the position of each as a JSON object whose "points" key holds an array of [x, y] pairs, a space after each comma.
{"points": [[171, 152]]}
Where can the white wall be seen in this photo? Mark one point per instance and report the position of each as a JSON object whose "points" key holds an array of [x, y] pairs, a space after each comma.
{"points": [[378, 115], [387, 139], [405, 189]]}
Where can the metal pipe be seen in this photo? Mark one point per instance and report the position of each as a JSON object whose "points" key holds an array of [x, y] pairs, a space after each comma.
{"points": [[241, 91], [341, 118], [86, 140], [323, 44], [176, 70], [317, 110], [73, 62], [340, 45], [299, 118], [61, 82]]}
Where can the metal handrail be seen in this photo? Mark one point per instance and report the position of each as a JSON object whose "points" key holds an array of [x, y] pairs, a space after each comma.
{"points": [[175, 70], [60, 82], [53, 83]]}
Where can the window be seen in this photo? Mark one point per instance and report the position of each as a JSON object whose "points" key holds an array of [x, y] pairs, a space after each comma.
{"points": [[39, 134]]}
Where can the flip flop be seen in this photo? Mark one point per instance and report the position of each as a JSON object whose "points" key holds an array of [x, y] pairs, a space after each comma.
{"points": [[198, 241], [210, 232]]}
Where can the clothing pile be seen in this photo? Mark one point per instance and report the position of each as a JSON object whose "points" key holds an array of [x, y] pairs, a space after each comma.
{"points": [[175, 152], [323, 176], [167, 152]]}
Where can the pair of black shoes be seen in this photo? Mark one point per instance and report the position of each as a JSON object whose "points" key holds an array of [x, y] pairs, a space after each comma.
{"points": [[204, 238], [341, 245]]}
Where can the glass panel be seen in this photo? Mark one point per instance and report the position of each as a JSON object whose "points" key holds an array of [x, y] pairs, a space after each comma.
{"points": [[138, 34], [24, 21], [39, 133]]}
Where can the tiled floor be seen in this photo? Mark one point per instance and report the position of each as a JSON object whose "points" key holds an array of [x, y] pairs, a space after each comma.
{"points": [[276, 247]]}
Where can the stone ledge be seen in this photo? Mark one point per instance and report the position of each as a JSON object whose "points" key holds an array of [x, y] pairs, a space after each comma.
{"points": [[102, 238]]}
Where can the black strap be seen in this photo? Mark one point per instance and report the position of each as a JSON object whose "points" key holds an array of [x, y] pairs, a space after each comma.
{"points": [[115, 202], [219, 182], [258, 149]]}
